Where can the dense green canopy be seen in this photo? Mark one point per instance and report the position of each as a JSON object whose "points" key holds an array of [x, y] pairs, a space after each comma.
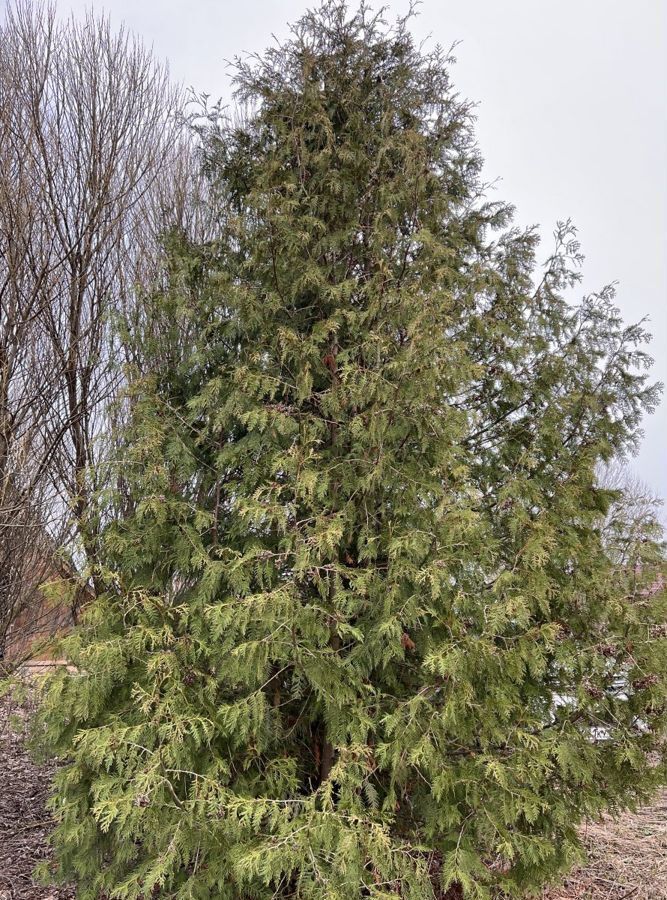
{"points": [[366, 633]]}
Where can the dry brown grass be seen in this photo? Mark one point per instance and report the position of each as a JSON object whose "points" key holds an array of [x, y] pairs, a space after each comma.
{"points": [[627, 858]]}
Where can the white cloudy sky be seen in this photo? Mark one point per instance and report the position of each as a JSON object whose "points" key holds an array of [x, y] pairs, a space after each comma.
{"points": [[572, 117]]}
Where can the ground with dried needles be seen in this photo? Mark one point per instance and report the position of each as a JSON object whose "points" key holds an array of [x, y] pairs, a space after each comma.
{"points": [[627, 858], [24, 822]]}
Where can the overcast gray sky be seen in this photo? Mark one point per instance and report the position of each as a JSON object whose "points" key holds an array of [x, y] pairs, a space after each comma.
{"points": [[572, 117]]}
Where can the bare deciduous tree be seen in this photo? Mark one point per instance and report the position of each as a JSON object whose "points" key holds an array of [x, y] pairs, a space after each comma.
{"points": [[632, 529], [89, 127]]}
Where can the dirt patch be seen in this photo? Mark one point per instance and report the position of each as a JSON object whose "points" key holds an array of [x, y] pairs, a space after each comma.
{"points": [[24, 821]]}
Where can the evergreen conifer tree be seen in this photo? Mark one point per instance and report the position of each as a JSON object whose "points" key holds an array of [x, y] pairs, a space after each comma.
{"points": [[364, 636]]}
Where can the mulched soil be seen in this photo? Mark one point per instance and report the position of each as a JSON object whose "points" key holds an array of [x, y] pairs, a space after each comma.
{"points": [[626, 858], [24, 822]]}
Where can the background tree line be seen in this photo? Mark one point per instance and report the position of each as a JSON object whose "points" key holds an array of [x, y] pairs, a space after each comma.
{"points": [[97, 168]]}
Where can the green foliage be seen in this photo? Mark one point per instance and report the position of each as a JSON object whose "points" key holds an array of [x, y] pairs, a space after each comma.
{"points": [[367, 632]]}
